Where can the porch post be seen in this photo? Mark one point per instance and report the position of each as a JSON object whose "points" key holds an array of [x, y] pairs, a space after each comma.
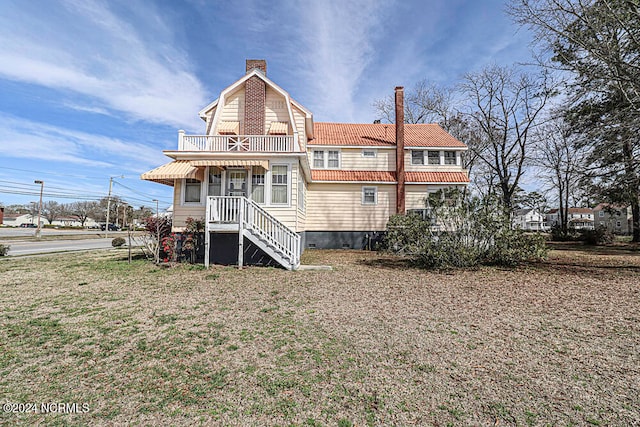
{"points": [[207, 236], [240, 232]]}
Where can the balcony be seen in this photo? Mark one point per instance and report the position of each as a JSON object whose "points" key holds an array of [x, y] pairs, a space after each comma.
{"points": [[237, 143]]}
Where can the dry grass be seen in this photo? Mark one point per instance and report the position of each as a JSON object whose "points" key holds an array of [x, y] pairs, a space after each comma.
{"points": [[372, 342]]}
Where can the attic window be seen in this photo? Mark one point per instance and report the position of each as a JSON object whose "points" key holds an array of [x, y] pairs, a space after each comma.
{"points": [[228, 128], [279, 128]]}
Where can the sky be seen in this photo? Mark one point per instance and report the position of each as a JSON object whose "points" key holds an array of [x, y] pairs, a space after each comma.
{"points": [[93, 90]]}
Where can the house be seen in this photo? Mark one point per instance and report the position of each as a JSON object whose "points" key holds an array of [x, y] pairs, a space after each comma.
{"points": [[16, 220], [270, 181], [615, 218], [528, 219], [578, 218]]}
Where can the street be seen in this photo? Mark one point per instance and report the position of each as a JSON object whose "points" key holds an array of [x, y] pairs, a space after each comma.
{"points": [[49, 246]]}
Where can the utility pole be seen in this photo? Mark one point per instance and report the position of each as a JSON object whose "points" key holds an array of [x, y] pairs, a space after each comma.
{"points": [[106, 226], [157, 231], [38, 231]]}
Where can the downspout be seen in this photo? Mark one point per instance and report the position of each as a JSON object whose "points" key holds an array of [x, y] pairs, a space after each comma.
{"points": [[400, 190]]}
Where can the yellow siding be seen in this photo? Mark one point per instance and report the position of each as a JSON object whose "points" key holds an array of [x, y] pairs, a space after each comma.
{"points": [[299, 118], [338, 207], [287, 214], [233, 110], [181, 213], [351, 159], [415, 196], [275, 108]]}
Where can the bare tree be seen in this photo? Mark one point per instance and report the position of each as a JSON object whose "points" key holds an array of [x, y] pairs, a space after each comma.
{"points": [[84, 210], [52, 210], [562, 161], [598, 43], [424, 103], [505, 106]]}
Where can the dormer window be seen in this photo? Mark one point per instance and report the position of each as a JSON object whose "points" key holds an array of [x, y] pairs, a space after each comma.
{"points": [[326, 159]]}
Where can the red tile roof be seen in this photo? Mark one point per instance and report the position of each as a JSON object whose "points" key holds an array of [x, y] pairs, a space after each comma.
{"points": [[352, 134], [361, 176], [443, 177]]}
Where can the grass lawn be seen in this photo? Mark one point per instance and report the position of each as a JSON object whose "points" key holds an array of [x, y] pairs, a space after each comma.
{"points": [[372, 342]]}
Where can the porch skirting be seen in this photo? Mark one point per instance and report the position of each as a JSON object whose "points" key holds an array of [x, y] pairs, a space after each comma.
{"points": [[342, 239]]}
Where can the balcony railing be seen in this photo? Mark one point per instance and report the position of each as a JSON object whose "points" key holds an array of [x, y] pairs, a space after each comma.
{"points": [[242, 143]]}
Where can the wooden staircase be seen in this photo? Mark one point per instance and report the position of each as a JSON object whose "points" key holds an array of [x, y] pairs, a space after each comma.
{"points": [[238, 213]]}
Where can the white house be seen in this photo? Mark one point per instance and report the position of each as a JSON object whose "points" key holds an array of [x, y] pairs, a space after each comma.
{"points": [[528, 220]]}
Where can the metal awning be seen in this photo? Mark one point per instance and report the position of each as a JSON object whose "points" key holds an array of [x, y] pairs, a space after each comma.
{"points": [[228, 128], [279, 128], [178, 169], [231, 163]]}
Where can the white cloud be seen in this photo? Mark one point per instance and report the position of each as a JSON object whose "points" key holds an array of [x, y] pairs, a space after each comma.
{"points": [[339, 40], [129, 65], [27, 139]]}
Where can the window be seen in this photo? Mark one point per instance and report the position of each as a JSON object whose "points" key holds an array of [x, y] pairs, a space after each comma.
{"points": [[601, 214], [280, 184], [334, 159], [434, 157], [257, 184], [215, 182], [192, 191], [369, 153], [369, 195], [618, 224], [329, 159], [417, 157], [450, 158]]}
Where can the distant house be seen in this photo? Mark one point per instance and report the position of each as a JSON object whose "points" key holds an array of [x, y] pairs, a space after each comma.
{"points": [[16, 220], [72, 221], [579, 218], [615, 218], [528, 220]]}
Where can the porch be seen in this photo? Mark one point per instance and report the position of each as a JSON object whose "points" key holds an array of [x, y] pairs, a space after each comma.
{"points": [[239, 214], [237, 143]]}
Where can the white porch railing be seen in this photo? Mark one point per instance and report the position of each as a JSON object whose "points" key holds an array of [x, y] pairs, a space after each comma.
{"points": [[283, 242], [226, 143]]}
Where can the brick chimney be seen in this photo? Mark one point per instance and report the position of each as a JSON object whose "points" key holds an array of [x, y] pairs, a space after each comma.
{"points": [[1, 215], [255, 94], [400, 190]]}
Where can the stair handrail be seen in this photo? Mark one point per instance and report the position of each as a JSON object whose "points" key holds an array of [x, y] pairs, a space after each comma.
{"points": [[274, 231]]}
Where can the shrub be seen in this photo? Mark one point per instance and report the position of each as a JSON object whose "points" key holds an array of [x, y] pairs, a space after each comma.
{"points": [[599, 236], [117, 242], [4, 249], [462, 233]]}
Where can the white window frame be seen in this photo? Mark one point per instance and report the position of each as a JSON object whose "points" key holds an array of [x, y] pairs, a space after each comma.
{"points": [[251, 185], [412, 159], [369, 150], [455, 158], [325, 158], [375, 195], [203, 193], [427, 157], [270, 195]]}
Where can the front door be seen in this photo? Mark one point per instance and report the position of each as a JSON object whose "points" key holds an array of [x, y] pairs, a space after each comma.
{"points": [[237, 182]]}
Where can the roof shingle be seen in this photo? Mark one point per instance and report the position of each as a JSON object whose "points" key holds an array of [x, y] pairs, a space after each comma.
{"points": [[358, 134], [359, 176], [439, 177]]}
